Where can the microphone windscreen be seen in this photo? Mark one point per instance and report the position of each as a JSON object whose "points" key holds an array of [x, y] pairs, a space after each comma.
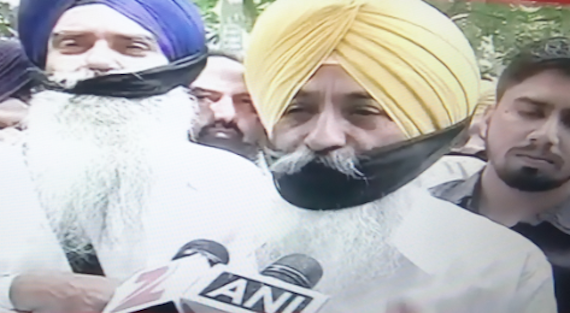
{"points": [[213, 251], [296, 269]]}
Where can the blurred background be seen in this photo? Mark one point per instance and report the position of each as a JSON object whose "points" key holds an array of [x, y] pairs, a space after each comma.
{"points": [[495, 30]]}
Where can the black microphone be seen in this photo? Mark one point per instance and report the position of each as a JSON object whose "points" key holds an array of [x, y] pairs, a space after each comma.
{"points": [[296, 269], [160, 289], [283, 287], [213, 251]]}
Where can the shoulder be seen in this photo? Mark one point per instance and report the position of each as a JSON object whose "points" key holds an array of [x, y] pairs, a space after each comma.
{"points": [[223, 177], [450, 168], [441, 235], [218, 161]]}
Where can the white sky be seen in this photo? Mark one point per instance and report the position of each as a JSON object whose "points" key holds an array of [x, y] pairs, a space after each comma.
{"points": [[12, 2]]}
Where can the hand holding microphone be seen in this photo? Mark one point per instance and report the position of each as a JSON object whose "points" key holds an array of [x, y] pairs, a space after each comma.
{"points": [[198, 281], [160, 289]]}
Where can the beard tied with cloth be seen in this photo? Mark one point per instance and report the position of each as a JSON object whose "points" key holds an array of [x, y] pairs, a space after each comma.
{"points": [[420, 69], [94, 141]]}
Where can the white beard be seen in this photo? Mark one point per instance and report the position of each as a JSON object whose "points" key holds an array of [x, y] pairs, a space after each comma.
{"points": [[92, 159], [352, 245]]}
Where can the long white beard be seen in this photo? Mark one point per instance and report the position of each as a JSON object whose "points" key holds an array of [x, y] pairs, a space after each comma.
{"points": [[352, 245], [92, 159]]}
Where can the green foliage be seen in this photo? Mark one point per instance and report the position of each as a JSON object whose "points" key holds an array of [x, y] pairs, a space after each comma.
{"points": [[7, 18], [498, 31]]}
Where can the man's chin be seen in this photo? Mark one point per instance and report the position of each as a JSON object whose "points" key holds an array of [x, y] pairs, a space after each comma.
{"points": [[529, 179]]}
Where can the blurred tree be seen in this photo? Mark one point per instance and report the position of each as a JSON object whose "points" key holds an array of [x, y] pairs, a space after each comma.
{"points": [[496, 31], [7, 20]]}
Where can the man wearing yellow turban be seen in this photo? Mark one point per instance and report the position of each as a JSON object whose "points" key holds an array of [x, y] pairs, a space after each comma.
{"points": [[358, 98]]}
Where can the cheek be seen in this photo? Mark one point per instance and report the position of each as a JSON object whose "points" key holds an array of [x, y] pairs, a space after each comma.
{"points": [[286, 139], [502, 135], [57, 62], [383, 134]]}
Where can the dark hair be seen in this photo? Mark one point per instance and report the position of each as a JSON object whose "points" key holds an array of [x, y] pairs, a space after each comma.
{"points": [[551, 53], [224, 54]]}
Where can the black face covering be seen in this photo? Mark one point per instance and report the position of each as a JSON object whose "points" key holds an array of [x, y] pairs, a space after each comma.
{"points": [[148, 83], [385, 169]]}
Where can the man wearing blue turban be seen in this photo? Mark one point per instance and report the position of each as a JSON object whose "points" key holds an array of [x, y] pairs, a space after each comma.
{"points": [[119, 186]]}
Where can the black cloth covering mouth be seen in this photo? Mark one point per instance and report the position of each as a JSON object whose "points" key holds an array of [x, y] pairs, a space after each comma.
{"points": [[143, 84], [384, 169]]}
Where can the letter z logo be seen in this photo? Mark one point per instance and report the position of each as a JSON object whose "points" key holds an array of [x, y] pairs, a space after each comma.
{"points": [[146, 292]]}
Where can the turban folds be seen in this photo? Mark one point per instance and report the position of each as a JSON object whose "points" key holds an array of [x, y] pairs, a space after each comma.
{"points": [[176, 24], [407, 55]]}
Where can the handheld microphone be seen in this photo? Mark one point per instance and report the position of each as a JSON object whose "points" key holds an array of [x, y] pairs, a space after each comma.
{"points": [[160, 289], [283, 287], [296, 269]]}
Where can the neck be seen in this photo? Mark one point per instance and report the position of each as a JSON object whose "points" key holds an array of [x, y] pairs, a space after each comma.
{"points": [[509, 206]]}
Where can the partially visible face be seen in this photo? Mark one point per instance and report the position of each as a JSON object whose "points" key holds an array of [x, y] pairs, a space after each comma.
{"points": [[474, 143], [229, 120], [528, 133], [332, 119], [93, 39]]}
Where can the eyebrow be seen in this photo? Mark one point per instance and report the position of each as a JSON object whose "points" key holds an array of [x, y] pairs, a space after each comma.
{"points": [[305, 94], [136, 37], [198, 89], [359, 96], [59, 35], [533, 101]]}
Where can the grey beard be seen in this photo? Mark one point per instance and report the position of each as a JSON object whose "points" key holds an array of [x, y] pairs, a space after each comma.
{"points": [[352, 245], [91, 159]]}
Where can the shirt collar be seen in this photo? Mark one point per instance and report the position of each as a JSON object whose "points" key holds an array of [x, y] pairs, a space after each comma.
{"points": [[558, 216], [465, 193]]}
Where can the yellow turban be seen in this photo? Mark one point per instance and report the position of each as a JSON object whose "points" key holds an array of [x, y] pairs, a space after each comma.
{"points": [[408, 56]]}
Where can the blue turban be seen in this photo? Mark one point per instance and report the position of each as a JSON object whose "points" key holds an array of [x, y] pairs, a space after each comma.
{"points": [[14, 68], [176, 24]]}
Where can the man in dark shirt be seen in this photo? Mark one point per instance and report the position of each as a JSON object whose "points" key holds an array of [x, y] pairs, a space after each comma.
{"points": [[525, 185]]}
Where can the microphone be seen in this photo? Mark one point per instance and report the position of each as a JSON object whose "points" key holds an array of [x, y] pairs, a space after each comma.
{"points": [[296, 269], [283, 287], [160, 289]]}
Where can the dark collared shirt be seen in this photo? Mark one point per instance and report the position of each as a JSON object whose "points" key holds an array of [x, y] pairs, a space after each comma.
{"points": [[550, 231]]}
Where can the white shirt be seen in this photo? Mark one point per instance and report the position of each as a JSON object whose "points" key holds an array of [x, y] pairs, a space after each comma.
{"points": [[200, 193], [457, 262]]}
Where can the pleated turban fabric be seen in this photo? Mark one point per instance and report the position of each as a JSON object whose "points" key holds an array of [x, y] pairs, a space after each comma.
{"points": [[408, 56]]}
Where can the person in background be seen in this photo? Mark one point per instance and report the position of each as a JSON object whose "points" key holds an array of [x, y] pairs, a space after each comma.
{"points": [[526, 183], [119, 186], [468, 156], [15, 89], [358, 98], [474, 144], [228, 119]]}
